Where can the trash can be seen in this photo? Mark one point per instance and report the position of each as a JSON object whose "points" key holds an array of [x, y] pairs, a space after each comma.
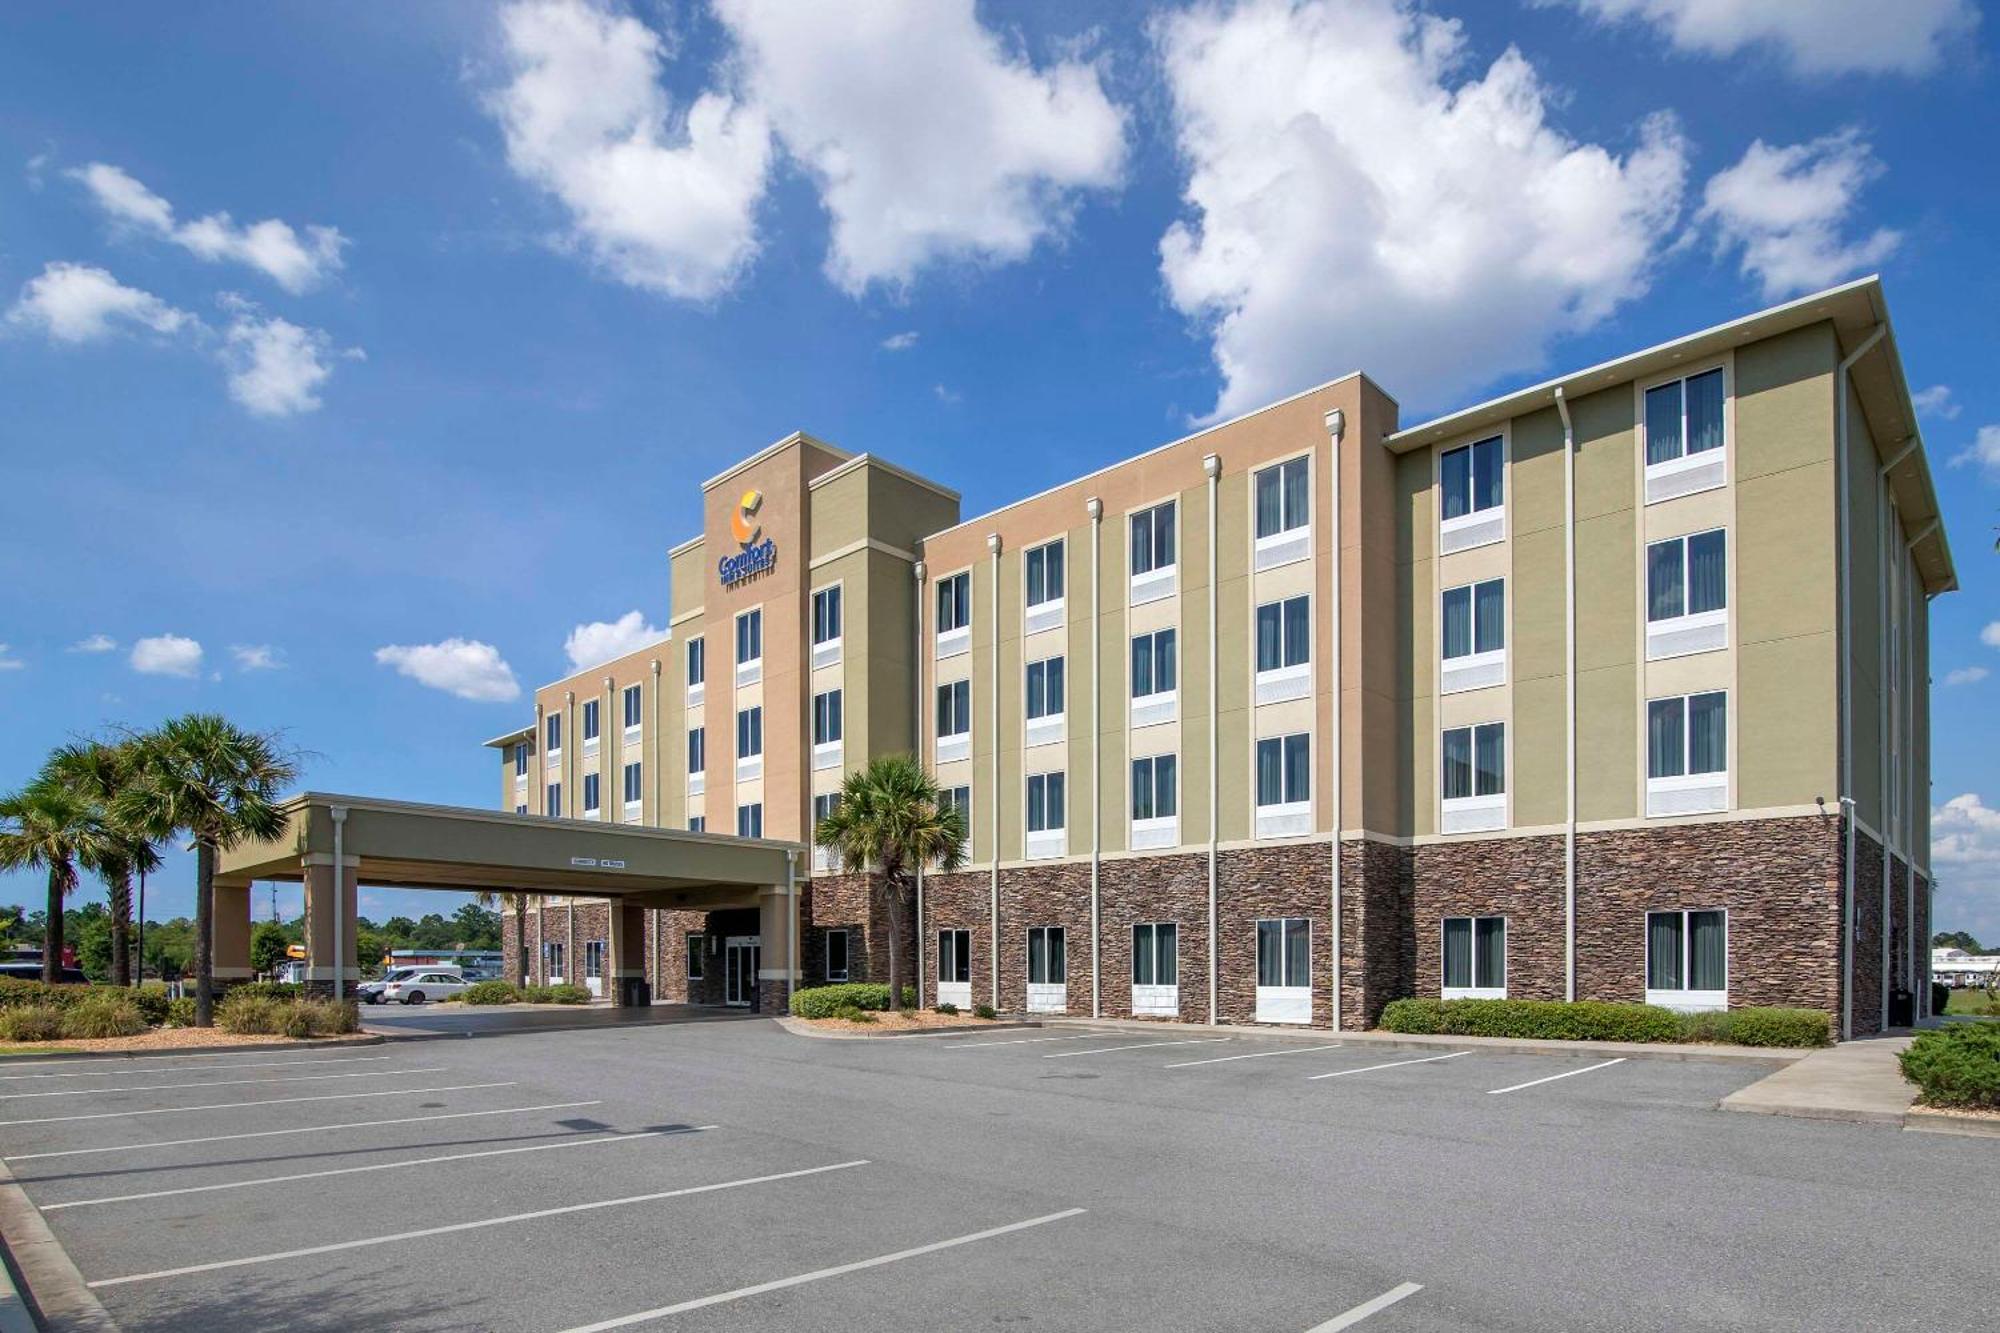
{"points": [[1902, 1008], [634, 993]]}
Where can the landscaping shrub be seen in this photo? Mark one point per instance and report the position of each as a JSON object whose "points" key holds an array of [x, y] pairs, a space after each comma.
{"points": [[567, 994], [15, 993], [103, 1016], [31, 1022], [180, 1012], [1598, 1020], [262, 1015], [151, 1001], [985, 1011], [821, 1001], [907, 1011], [1940, 997], [490, 992], [909, 997], [247, 1014], [1958, 1065], [1759, 1026], [269, 990], [849, 1013], [945, 1007]]}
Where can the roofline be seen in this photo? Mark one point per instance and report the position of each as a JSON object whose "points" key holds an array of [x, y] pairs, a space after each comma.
{"points": [[1161, 448], [687, 545], [796, 437], [306, 799], [870, 460], [507, 738], [650, 644]]}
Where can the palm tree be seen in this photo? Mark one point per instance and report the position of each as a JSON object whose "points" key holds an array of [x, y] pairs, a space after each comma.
{"points": [[492, 900], [98, 772], [202, 775], [47, 826], [892, 816]]}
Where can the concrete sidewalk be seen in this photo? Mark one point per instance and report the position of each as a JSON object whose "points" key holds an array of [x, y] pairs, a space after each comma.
{"points": [[1412, 1041], [1855, 1081]]}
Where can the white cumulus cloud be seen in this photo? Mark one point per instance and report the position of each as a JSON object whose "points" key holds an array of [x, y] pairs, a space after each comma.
{"points": [[1358, 197], [604, 640], [900, 342], [95, 643], [79, 303], [167, 655], [255, 656], [1990, 636], [1812, 36], [1965, 856], [1983, 453], [275, 367], [464, 667], [952, 146], [1971, 675], [297, 260], [1936, 401], [1784, 208], [661, 197], [9, 662]]}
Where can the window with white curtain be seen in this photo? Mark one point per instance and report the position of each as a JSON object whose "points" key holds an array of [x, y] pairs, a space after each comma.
{"points": [[1472, 635], [1156, 954], [1474, 957], [1687, 753], [1284, 785], [1472, 495], [1155, 793], [1284, 499], [1284, 952], [1473, 777], [1045, 688], [1045, 802], [1686, 425], [1687, 595], [1284, 633], [1687, 959], [1044, 573], [1153, 538], [1155, 677]]}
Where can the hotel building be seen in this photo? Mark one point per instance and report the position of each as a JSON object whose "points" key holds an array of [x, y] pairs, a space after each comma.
{"points": [[1613, 687]]}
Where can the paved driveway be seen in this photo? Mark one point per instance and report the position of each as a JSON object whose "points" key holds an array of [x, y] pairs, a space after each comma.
{"points": [[492, 1020], [730, 1175]]}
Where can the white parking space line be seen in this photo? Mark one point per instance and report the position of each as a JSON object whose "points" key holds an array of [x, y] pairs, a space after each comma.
{"points": [[819, 1274], [1136, 1046], [297, 1129], [221, 1083], [1367, 1308], [1393, 1064], [1254, 1055], [177, 1069], [1019, 1041], [590, 1141], [1537, 1082], [238, 1106], [397, 1237]]}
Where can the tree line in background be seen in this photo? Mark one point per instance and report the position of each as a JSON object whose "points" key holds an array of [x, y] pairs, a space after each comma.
{"points": [[102, 807], [1957, 939]]}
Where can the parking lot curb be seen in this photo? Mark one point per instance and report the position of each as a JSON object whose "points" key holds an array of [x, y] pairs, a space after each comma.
{"points": [[798, 1028], [239, 1048], [1925, 1121], [60, 1298], [1411, 1041]]}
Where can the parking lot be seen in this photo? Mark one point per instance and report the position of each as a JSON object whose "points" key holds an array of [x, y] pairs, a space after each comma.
{"points": [[712, 1175]]}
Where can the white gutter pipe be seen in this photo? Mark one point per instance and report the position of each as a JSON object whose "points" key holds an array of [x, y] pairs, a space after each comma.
{"points": [[1569, 696], [917, 744], [339, 813], [1095, 508], [993, 904], [1845, 670], [1336, 427], [1212, 465]]}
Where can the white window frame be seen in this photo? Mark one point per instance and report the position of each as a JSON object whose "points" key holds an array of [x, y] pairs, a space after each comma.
{"points": [[632, 708], [952, 797], [1292, 541], [953, 745], [1688, 473], [823, 804], [1155, 999], [1051, 839], [1291, 1001], [1475, 991], [1480, 812], [826, 751], [1290, 816], [633, 775], [697, 823], [1158, 581], [846, 957], [1690, 632], [593, 796], [749, 670], [750, 812], [693, 949], [1047, 728], [1148, 710], [1476, 527], [1287, 680], [826, 651], [954, 640], [1051, 994], [750, 763], [1479, 668], [552, 800], [1156, 830], [592, 725], [1682, 998], [1047, 613], [954, 991], [552, 739], [1686, 793], [697, 669]]}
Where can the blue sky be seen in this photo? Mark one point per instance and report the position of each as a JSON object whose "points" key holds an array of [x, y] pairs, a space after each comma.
{"points": [[331, 330]]}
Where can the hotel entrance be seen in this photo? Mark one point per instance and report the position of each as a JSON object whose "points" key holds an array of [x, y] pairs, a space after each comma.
{"points": [[740, 957]]}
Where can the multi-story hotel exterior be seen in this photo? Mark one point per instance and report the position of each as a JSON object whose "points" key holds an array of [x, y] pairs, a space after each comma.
{"points": [[1615, 687]]}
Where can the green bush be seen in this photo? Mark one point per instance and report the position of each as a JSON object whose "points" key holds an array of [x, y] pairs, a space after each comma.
{"points": [[261, 1015], [269, 990], [985, 1011], [909, 997], [31, 1022], [850, 1013], [821, 1001], [1598, 1020], [567, 994], [15, 993], [907, 1011], [1759, 1026], [1956, 1065], [490, 992], [944, 1007], [151, 1001], [180, 1013], [247, 1014], [106, 1016]]}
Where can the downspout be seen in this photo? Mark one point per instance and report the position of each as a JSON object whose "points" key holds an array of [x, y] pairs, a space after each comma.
{"points": [[1885, 629], [1336, 427], [993, 892], [339, 814], [659, 765], [1569, 697], [1095, 508], [1212, 465], [1894, 562], [1842, 672], [917, 743], [792, 928]]}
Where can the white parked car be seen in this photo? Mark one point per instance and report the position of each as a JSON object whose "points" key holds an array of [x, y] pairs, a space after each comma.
{"points": [[370, 992], [428, 984]]}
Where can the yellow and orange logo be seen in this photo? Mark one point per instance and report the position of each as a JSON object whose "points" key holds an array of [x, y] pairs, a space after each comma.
{"points": [[743, 524]]}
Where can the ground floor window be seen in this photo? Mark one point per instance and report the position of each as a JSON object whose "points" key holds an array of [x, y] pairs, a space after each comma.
{"points": [[1156, 954], [694, 939], [552, 958], [1284, 952], [1687, 959], [954, 955], [1475, 957], [1048, 963], [593, 960], [836, 955]]}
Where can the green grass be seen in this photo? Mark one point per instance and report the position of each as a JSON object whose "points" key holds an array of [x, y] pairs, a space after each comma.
{"points": [[36, 1050], [1973, 1002]]}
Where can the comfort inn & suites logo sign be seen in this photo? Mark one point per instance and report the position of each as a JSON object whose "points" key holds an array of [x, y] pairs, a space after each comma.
{"points": [[756, 557]]}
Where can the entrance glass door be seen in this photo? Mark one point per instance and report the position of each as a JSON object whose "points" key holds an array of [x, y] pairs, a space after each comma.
{"points": [[740, 957]]}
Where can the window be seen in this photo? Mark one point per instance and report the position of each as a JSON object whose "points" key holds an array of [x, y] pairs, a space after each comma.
{"points": [[1045, 688], [749, 732], [1156, 954], [1687, 959], [634, 791], [694, 950], [1284, 952], [1045, 802], [1153, 663], [1048, 964], [553, 725], [836, 955], [954, 957], [697, 662], [1684, 418], [824, 804], [521, 759], [750, 820], [1045, 573], [593, 959], [697, 749], [1284, 634], [698, 824], [1154, 792], [750, 637], [1470, 478], [954, 602], [826, 718], [1475, 957], [1687, 595], [1687, 735], [553, 798], [960, 799], [552, 957], [1284, 500], [520, 809], [826, 615], [590, 793], [589, 721], [1475, 619], [954, 708], [1284, 770], [1473, 778], [1153, 539], [632, 700]]}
